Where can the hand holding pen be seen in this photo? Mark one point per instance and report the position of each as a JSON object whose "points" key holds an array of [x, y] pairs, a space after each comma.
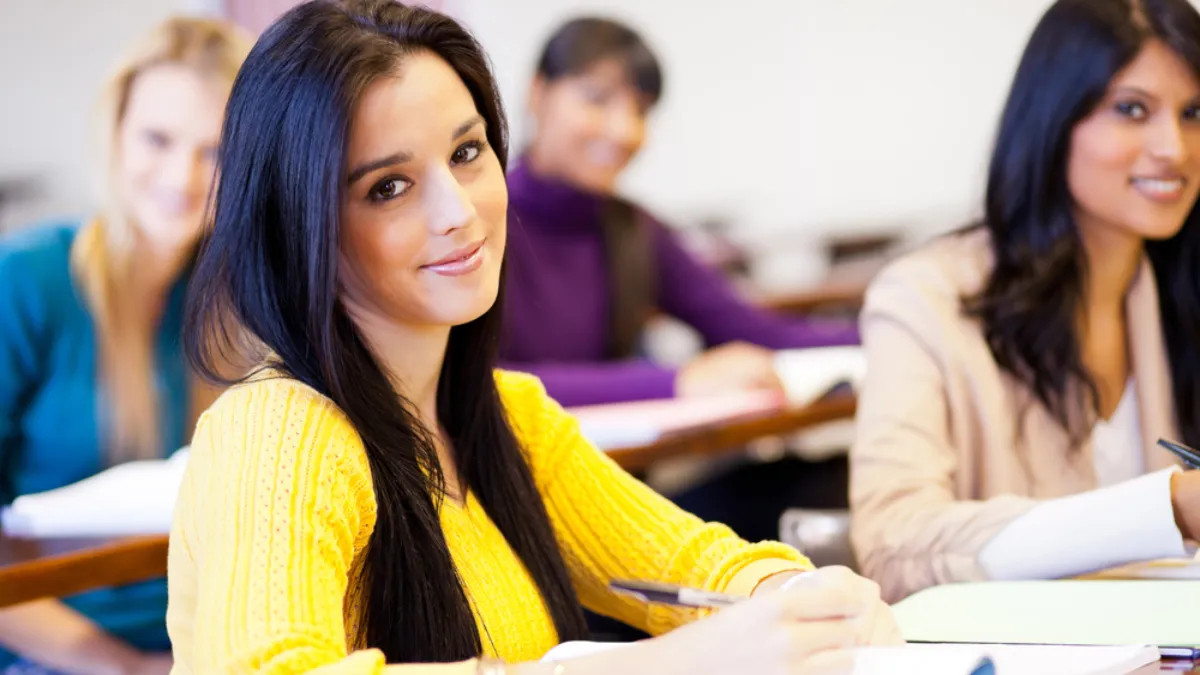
{"points": [[808, 626], [1185, 489]]}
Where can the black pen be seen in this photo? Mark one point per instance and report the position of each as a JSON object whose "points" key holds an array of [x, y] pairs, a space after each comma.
{"points": [[1190, 457], [673, 594]]}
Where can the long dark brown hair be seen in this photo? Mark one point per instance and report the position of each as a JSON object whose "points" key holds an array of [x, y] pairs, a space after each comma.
{"points": [[1029, 305], [271, 264]]}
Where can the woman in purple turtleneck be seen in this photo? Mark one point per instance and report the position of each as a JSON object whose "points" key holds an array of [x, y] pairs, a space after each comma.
{"points": [[586, 269]]}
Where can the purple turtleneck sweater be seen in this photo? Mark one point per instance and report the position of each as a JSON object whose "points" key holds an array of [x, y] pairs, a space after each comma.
{"points": [[557, 300]]}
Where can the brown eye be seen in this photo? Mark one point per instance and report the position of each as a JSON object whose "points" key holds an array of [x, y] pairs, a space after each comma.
{"points": [[388, 188], [466, 153]]}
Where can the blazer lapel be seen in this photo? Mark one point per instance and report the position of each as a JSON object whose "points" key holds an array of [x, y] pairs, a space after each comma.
{"points": [[1151, 371]]}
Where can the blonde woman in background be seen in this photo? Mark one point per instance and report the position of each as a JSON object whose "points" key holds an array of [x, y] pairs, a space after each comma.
{"points": [[92, 372]]}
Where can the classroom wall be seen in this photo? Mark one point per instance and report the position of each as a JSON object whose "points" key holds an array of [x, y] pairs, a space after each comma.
{"points": [[803, 118], [791, 120]]}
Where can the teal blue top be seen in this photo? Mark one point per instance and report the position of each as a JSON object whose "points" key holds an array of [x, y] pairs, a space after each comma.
{"points": [[50, 397]]}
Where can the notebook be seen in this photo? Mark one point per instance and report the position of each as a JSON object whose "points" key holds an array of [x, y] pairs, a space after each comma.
{"points": [[131, 499], [916, 659], [1152, 612]]}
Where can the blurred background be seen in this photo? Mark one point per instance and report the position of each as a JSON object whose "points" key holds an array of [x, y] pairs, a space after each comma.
{"points": [[786, 127]]}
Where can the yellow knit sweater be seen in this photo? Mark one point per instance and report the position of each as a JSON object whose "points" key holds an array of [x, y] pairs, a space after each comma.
{"points": [[277, 507]]}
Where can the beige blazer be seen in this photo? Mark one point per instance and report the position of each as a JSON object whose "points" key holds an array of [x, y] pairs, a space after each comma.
{"points": [[939, 465]]}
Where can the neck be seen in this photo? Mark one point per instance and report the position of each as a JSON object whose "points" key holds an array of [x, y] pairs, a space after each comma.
{"points": [[1113, 259], [412, 357], [155, 268], [536, 159]]}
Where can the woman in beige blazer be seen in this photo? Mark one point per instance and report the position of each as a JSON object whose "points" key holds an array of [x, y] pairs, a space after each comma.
{"points": [[1021, 371]]}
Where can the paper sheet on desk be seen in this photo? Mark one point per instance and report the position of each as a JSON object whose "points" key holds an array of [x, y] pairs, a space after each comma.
{"points": [[619, 425], [1161, 613], [130, 499], [957, 659], [807, 374]]}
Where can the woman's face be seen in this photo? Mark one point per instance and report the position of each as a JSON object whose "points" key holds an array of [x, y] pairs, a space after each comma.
{"points": [[588, 126], [166, 144], [1134, 163], [424, 208]]}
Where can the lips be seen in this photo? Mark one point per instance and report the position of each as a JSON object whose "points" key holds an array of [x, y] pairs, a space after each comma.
{"points": [[461, 261], [1167, 189]]}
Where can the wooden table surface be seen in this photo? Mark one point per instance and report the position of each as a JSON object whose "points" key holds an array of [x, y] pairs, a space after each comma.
{"points": [[32, 569], [731, 435]]}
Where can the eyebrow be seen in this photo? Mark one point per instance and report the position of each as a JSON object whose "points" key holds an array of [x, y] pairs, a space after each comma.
{"points": [[402, 157], [1126, 89]]}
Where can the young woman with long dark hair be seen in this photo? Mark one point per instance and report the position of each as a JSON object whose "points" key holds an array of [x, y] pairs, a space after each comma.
{"points": [[1021, 371], [377, 493]]}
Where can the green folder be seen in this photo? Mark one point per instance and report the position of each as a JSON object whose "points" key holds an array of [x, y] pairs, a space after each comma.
{"points": [[1165, 614]]}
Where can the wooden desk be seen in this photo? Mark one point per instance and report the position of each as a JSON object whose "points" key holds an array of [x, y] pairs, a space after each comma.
{"points": [[55, 568], [841, 296], [1177, 667], [723, 437]]}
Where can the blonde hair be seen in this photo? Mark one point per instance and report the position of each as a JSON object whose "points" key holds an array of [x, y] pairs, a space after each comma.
{"points": [[101, 257]]}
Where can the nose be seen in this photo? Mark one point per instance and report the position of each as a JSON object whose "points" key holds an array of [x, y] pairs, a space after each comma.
{"points": [[626, 124], [186, 171], [447, 203], [1169, 144]]}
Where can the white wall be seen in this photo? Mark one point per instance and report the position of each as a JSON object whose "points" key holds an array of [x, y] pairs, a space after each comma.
{"points": [[54, 56], [797, 118]]}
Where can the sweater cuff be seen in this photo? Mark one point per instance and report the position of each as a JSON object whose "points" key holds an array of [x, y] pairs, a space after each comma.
{"points": [[743, 572]]}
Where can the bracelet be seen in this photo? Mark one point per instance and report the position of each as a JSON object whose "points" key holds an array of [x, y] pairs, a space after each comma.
{"points": [[795, 579]]}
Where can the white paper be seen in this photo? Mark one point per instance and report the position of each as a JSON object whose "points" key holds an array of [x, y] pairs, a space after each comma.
{"points": [[925, 659], [131, 499], [809, 374], [921, 659], [621, 425]]}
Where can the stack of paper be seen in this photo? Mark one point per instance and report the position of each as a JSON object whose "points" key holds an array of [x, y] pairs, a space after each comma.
{"points": [[620, 425], [130, 499], [958, 659]]}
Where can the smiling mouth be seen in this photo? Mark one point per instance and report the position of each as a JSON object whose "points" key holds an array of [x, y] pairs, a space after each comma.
{"points": [[1167, 190]]}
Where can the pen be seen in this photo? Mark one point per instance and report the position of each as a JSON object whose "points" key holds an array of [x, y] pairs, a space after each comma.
{"points": [[672, 594], [1190, 457]]}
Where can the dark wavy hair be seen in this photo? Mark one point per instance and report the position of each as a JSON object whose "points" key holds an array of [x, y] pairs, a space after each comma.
{"points": [[1029, 304], [271, 265]]}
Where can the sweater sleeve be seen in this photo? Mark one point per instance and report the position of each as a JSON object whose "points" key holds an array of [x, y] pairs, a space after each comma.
{"points": [[276, 503], [23, 309], [611, 526], [909, 529], [699, 296]]}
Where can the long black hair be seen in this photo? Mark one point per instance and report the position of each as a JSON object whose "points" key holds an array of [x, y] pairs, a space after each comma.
{"points": [[271, 265], [1030, 303], [572, 49]]}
